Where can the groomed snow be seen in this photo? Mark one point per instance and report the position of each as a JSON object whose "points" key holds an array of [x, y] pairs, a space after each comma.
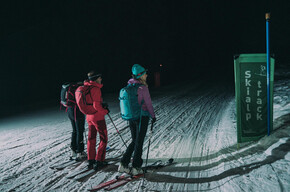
{"points": [[196, 126]]}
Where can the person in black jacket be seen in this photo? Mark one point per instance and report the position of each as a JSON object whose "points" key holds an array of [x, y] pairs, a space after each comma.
{"points": [[77, 119]]}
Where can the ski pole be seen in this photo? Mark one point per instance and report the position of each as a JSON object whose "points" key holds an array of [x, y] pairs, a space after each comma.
{"points": [[151, 130], [117, 130]]}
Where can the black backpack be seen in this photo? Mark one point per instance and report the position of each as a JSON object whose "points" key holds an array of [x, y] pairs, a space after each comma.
{"points": [[67, 94]]}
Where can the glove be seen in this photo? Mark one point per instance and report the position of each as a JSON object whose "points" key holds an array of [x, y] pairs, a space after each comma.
{"points": [[154, 120], [106, 106]]}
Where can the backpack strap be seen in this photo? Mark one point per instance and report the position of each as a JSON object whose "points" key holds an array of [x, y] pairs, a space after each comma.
{"points": [[140, 121], [90, 88], [71, 93], [75, 112], [69, 90], [89, 92]]}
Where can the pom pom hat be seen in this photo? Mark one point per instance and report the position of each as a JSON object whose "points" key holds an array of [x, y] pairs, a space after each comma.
{"points": [[138, 71]]}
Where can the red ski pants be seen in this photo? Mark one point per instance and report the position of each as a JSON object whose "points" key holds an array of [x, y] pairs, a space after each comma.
{"points": [[101, 128]]}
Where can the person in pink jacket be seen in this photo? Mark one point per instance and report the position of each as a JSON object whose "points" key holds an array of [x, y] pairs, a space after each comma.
{"points": [[96, 123], [138, 127]]}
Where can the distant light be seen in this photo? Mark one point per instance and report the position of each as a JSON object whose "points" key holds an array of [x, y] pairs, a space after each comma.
{"points": [[160, 65]]}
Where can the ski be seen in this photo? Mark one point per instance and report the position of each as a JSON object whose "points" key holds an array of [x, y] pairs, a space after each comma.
{"points": [[81, 171], [70, 163], [74, 165], [84, 176], [159, 164], [105, 184], [119, 181], [84, 172], [82, 168], [122, 182], [63, 165]]}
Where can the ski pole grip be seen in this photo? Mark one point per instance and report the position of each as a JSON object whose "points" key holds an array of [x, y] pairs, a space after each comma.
{"points": [[267, 16]]}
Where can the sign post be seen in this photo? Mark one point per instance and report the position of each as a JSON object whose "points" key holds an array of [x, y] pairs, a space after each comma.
{"points": [[251, 96], [268, 67]]}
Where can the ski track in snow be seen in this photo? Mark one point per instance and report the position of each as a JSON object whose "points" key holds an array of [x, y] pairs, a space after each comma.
{"points": [[195, 126]]}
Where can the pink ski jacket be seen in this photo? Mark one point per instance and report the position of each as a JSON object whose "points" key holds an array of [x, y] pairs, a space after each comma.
{"points": [[97, 102]]}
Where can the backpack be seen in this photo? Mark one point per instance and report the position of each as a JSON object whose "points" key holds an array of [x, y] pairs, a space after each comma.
{"points": [[130, 108], [84, 100], [67, 95]]}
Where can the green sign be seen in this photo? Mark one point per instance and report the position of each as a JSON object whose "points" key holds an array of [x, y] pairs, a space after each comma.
{"points": [[251, 96]]}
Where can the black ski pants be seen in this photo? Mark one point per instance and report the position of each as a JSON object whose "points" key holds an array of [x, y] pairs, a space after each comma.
{"points": [[138, 133], [77, 119]]}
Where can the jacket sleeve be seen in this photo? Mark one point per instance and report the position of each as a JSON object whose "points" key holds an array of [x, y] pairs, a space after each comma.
{"points": [[97, 101], [145, 95]]}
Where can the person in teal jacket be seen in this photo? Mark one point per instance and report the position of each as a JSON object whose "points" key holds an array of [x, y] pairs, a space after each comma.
{"points": [[136, 145]]}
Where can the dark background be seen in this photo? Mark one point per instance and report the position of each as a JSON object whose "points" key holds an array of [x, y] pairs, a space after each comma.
{"points": [[46, 43]]}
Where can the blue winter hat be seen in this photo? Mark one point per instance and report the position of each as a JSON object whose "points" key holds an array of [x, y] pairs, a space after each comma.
{"points": [[138, 71]]}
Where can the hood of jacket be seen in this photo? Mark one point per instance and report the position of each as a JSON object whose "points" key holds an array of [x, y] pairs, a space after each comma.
{"points": [[133, 81], [93, 83]]}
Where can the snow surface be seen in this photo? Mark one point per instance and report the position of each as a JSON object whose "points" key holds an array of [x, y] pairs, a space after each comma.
{"points": [[196, 125]]}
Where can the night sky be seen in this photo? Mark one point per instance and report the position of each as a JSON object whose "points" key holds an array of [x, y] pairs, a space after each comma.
{"points": [[46, 43]]}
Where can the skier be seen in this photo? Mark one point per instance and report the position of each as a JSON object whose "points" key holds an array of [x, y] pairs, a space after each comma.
{"points": [[77, 140], [77, 120], [96, 123], [138, 127]]}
